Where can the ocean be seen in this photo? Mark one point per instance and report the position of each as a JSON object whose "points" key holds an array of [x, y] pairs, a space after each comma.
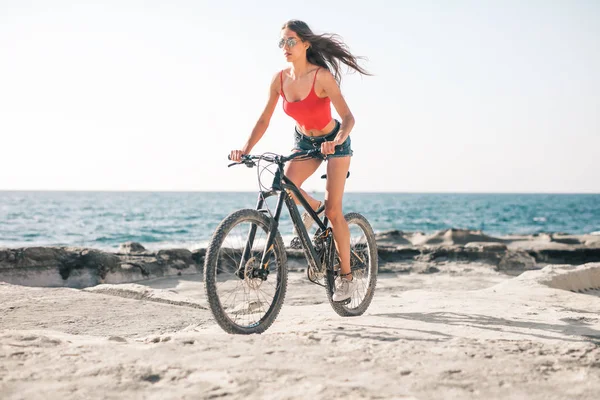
{"points": [[159, 220]]}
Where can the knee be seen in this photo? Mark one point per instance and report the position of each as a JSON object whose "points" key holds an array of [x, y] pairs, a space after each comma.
{"points": [[333, 212]]}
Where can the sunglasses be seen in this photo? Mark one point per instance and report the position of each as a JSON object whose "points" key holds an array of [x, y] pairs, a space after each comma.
{"points": [[291, 42]]}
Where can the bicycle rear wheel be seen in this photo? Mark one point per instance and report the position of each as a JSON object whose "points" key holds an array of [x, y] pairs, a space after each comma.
{"points": [[241, 302], [364, 265]]}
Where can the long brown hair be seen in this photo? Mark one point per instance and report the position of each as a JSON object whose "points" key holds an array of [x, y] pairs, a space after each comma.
{"points": [[326, 50]]}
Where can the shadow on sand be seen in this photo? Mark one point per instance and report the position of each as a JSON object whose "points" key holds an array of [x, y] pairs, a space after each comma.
{"points": [[528, 328]]}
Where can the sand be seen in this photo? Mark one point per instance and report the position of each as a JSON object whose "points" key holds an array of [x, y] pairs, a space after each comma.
{"points": [[466, 332]]}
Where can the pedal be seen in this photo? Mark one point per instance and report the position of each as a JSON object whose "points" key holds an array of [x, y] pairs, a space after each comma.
{"points": [[295, 243], [314, 275]]}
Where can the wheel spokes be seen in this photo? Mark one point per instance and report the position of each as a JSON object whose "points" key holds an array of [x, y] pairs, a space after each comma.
{"points": [[247, 299], [360, 262]]}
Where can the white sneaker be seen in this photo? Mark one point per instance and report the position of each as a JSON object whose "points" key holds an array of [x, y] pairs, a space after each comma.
{"points": [[344, 289], [307, 219]]}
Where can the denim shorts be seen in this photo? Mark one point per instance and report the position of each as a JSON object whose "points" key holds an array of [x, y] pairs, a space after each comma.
{"points": [[303, 142]]}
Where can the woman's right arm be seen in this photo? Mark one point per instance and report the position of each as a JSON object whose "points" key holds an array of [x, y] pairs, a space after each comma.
{"points": [[263, 121]]}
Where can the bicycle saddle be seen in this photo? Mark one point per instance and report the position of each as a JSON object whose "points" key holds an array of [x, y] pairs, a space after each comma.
{"points": [[324, 176]]}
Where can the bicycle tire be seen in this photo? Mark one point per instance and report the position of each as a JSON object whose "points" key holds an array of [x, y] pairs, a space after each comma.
{"points": [[353, 311], [211, 265]]}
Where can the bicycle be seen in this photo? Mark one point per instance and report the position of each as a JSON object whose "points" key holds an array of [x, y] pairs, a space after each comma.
{"points": [[246, 258]]}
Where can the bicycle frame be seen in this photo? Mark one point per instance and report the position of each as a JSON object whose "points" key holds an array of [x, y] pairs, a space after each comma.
{"points": [[283, 185]]}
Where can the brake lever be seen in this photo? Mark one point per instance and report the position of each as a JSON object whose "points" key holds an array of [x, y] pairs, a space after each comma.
{"points": [[235, 163], [247, 163], [317, 154]]}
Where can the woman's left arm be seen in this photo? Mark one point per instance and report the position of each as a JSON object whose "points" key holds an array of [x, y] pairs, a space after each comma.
{"points": [[332, 90]]}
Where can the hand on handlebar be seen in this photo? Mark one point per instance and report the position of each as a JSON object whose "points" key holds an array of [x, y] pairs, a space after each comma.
{"points": [[328, 148], [241, 159], [249, 160], [236, 155]]}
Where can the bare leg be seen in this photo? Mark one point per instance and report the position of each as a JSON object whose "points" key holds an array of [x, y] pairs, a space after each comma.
{"points": [[300, 171], [337, 168]]}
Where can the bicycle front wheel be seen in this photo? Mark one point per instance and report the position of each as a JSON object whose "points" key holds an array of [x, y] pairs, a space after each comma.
{"points": [[241, 301], [363, 264]]}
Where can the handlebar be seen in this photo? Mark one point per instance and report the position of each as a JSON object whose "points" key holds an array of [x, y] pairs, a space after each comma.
{"points": [[249, 160]]}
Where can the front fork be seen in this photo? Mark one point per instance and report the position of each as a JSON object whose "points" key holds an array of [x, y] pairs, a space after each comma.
{"points": [[262, 272]]}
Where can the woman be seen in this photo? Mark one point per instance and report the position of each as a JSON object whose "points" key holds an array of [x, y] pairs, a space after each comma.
{"points": [[308, 88]]}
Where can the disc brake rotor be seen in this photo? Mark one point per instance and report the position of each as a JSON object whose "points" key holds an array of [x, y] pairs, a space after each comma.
{"points": [[251, 265]]}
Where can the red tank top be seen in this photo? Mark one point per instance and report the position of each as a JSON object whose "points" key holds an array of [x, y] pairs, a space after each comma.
{"points": [[311, 112]]}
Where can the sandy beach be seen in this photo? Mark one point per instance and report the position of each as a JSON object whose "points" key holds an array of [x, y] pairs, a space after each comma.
{"points": [[466, 331]]}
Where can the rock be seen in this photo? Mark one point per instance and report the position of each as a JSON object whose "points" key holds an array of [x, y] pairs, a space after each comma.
{"points": [[458, 253], [564, 239], [395, 254], [198, 256], [516, 260], [578, 255], [416, 238], [176, 258], [579, 278], [426, 268], [131, 247], [80, 268], [459, 236], [99, 261], [33, 257], [591, 240], [542, 236], [393, 237], [485, 246]]}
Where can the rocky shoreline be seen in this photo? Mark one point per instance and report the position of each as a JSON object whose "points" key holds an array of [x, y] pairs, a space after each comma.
{"points": [[398, 252]]}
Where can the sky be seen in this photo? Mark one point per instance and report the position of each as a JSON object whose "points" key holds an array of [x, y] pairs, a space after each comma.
{"points": [[466, 96]]}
